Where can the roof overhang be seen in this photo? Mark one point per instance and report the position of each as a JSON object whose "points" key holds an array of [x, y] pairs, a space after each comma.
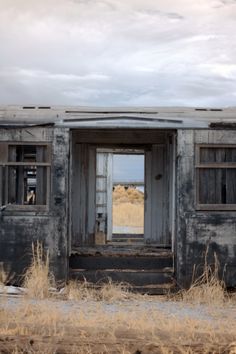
{"points": [[118, 117], [116, 121]]}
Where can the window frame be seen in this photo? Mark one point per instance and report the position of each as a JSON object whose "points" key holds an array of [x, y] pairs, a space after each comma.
{"points": [[4, 162], [215, 165]]}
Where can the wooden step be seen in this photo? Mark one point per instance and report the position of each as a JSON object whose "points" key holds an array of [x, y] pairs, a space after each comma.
{"points": [[132, 277], [121, 250], [159, 289], [125, 262]]}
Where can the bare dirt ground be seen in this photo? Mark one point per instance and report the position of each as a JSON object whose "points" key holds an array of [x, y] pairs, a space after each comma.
{"points": [[122, 323]]}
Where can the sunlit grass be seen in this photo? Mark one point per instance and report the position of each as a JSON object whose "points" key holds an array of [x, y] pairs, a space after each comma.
{"points": [[130, 327], [110, 319], [128, 207], [38, 280]]}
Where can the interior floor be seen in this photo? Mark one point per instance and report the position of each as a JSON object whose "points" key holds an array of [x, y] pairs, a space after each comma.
{"points": [[122, 249], [128, 238]]}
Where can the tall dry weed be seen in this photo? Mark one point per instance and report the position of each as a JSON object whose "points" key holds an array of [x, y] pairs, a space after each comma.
{"points": [[3, 276], [111, 292], [208, 288], [38, 280], [6, 276], [78, 291]]}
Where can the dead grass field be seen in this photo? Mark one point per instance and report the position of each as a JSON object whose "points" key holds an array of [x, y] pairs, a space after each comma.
{"points": [[85, 319], [128, 207], [128, 325]]}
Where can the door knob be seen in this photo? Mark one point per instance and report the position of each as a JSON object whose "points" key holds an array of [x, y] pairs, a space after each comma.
{"points": [[158, 177]]}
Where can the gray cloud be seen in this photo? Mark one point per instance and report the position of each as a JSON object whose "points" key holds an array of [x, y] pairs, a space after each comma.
{"points": [[115, 52], [228, 2], [152, 12]]}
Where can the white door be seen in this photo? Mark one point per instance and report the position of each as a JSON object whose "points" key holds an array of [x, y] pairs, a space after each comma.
{"points": [[104, 187]]}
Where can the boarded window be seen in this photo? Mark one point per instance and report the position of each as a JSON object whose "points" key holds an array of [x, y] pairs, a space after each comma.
{"points": [[216, 177], [24, 175]]}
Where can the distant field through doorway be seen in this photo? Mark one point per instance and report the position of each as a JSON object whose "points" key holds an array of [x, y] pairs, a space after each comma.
{"points": [[128, 197]]}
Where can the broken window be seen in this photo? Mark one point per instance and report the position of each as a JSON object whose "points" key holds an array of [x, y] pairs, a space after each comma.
{"points": [[216, 177], [25, 174]]}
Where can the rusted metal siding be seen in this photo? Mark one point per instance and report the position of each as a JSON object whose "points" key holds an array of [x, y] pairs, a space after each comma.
{"points": [[20, 228], [197, 229]]}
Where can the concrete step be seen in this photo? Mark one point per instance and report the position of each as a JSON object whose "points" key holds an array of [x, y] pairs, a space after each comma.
{"points": [[122, 262], [133, 277]]}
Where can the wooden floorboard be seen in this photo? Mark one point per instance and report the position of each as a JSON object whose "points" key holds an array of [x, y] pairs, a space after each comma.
{"points": [[122, 250]]}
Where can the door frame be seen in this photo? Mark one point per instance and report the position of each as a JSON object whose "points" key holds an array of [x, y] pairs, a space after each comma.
{"points": [[171, 136]]}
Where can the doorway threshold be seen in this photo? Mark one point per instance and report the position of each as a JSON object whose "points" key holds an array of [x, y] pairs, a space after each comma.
{"points": [[122, 250], [127, 239]]}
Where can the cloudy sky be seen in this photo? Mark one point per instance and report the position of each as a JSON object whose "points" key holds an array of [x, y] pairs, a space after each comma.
{"points": [[128, 168], [118, 52]]}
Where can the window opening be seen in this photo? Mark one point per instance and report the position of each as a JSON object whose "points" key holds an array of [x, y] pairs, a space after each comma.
{"points": [[25, 175], [216, 177]]}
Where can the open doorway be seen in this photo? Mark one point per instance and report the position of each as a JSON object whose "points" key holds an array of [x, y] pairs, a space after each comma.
{"points": [[94, 182], [119, 195], [142, 164], [128, 197]]}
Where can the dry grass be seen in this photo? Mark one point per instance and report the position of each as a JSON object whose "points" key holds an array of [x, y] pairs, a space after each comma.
{"points": [[208, 288], [128, 214], [108, 292], [130, 195], [111, 320], [111, 292], [6, 276], [211, 293], [38, 280], [78, 291], [3, 277], [89, 322], [49, 327], [128, 207]]}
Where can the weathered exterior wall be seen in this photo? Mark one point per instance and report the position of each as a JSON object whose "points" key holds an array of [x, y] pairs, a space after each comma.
{"points": [[18, 228], [196, 229]]}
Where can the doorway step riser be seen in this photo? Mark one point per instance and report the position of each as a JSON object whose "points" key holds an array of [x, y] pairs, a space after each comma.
{"points": [[152, 274]]}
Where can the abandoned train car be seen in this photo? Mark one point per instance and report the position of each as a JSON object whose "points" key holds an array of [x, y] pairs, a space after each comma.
{"points": [[56, 187]]}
